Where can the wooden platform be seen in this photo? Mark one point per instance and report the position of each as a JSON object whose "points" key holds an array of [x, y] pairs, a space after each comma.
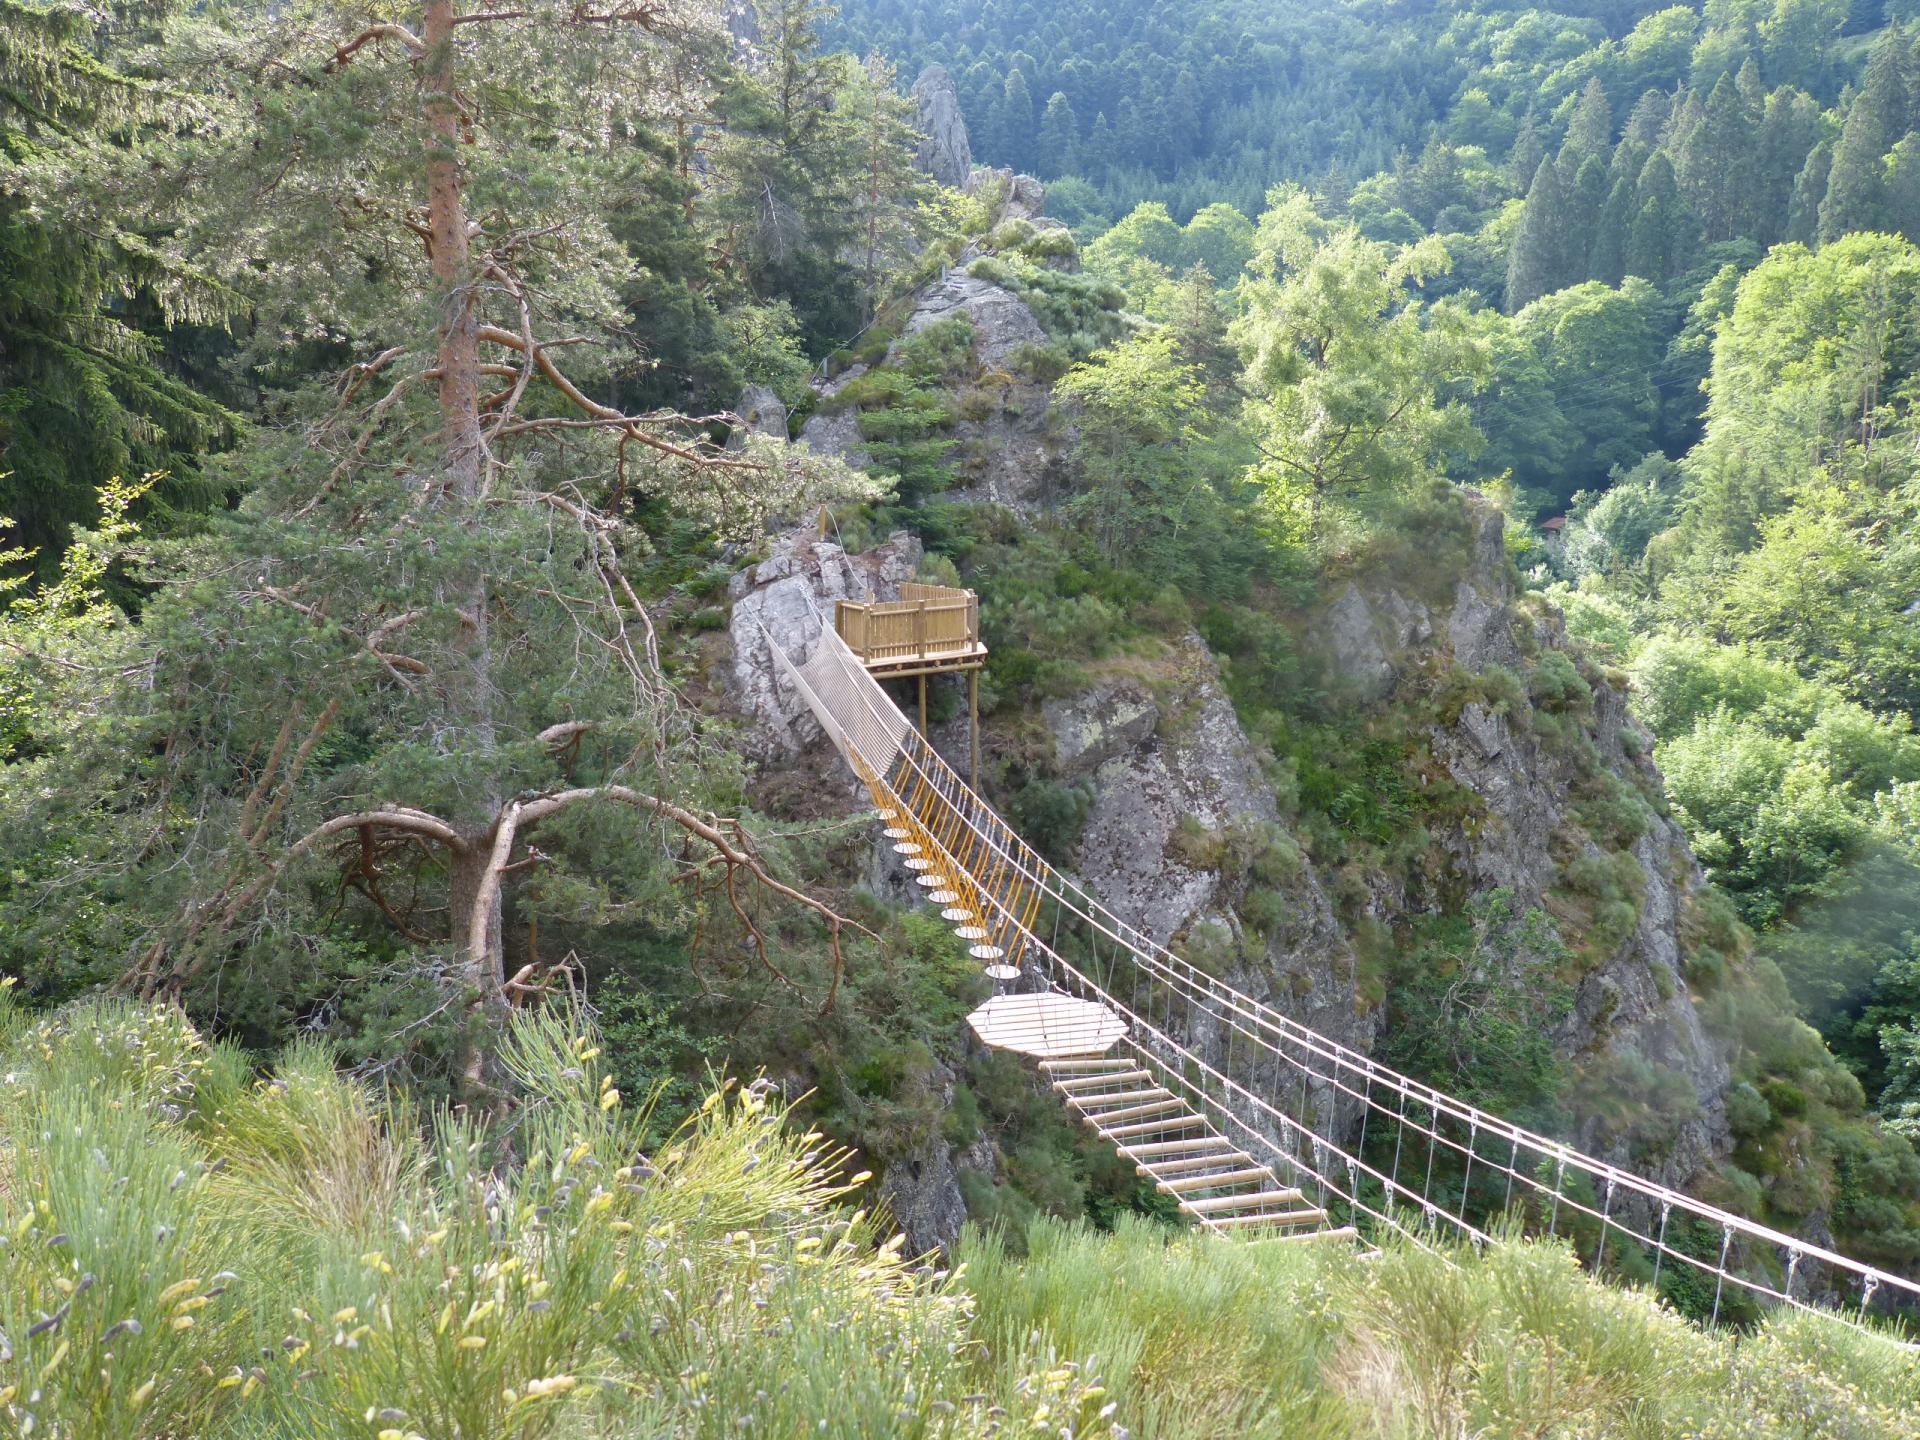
{"points": [[1047, 1026], [929, 630]]}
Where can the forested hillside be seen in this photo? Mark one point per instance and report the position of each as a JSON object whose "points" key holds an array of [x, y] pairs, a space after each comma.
{"points": [[1440, 486]]}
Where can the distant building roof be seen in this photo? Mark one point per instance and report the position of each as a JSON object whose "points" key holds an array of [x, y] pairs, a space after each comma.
{"points": [[1558, 522]]}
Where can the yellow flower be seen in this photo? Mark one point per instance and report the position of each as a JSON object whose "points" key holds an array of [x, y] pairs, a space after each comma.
{"points": [[141, 1395], [472, 1342]]}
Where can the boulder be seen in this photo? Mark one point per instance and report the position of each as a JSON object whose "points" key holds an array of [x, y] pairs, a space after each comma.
{"points": [[761, 412]]}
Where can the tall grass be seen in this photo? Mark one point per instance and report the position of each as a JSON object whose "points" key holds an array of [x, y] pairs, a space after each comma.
{"points": [[191, 1250], [1203, 1338]]}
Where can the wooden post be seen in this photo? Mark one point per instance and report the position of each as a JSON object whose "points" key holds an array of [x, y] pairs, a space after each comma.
{"points": [[923, 704], [973, 724]]}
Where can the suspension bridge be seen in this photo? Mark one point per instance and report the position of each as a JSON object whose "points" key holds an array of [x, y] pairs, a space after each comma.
{"points": [[1255, 1124]]}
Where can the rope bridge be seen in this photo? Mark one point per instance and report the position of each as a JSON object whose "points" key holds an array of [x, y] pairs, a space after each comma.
{"points": [[1275, 1125]]}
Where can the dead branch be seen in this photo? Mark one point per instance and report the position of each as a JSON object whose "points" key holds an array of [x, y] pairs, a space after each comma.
{"points": [[416, 47], [731, 848]]}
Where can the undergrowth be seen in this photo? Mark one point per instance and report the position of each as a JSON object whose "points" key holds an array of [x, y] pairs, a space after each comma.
{"points": [[191, 1249], [1200, 1338]]}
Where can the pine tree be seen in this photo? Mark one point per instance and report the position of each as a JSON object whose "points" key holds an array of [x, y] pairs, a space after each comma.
{"points": [[1586, 198], [1096, 155], [82, 399], [883, 146], [1787, 132], [1523, 160], [1647, 125], [1538, 261], [1016, 128], [422, 636], [1856, 185], [1059, 137], [1903, 187], [1608, 261], [1714, 164]]}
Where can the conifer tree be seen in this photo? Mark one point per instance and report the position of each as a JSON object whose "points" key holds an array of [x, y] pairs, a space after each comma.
{"points": [[1607, 261], [1059, 137], [1714, 164], [1809, 189], [1590, 132], [1538, 261], [416, 663], [1903, 187], [1647, 125], [1856, 185], [1523, 160], [1788, 129], [82, 398], [883, 144], [1663, 232], [1016, 128]]}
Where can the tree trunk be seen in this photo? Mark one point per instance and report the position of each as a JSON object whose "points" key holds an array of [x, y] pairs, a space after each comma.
{"points": [[459, 356], [461, 489], [486, 970]]}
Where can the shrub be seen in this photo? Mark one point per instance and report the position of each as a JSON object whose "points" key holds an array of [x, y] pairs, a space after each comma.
{"points": [[1558, 685]]}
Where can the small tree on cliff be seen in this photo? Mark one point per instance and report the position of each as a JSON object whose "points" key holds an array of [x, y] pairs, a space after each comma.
{"points": [[415, 677]]}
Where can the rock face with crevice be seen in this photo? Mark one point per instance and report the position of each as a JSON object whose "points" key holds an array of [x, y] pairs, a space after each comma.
{"points": [[944, 153], [1013, 443]]}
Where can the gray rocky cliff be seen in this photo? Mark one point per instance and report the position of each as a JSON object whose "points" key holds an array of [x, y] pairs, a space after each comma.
{"points": [[944, 153], [1013, 441], [1537, 773], [787, 597]]}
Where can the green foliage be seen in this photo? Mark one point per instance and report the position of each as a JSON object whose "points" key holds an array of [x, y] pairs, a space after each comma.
{"points": [[224, 1257], [1474, 1004], [1199, 1339]]}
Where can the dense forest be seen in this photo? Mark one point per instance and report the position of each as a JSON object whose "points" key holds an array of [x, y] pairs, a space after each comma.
{"points": [[384, 459]]}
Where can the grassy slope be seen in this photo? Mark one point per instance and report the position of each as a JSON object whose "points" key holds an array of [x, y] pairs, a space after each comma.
{"points": [[193, 1249], [1198, 1337]]}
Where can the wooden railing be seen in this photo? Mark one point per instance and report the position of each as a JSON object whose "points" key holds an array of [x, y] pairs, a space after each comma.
{"points": [[928, 624]]}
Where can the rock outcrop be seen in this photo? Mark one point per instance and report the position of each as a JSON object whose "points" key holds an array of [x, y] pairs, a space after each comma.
{"points": [[1001, 321], [1014, 447], [944, 152], [1533, 785], [761, 412], [789, 596]]}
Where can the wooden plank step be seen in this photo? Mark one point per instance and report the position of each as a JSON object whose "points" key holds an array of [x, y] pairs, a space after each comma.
{"points": [[1158, 1166], [1212, 1203], [1083, 1066], [1183, 1183], [1280, 1219], [1076, 1084], [1119, 1097], [1149, 1127], [1133, 1112], [1180, 1147], [1339, 1232]]}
